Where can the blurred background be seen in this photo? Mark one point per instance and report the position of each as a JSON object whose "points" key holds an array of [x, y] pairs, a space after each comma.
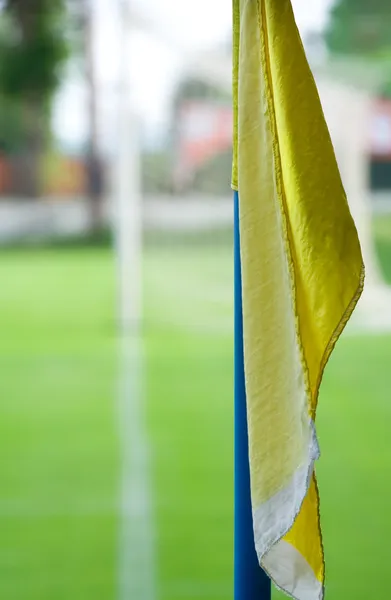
{"points": [[116, 314]]}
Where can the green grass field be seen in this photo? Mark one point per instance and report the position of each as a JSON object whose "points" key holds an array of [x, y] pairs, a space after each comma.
{"points": [[58, 437]]}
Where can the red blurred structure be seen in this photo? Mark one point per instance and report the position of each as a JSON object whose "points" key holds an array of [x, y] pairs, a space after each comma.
{"points": [[204, 130]]}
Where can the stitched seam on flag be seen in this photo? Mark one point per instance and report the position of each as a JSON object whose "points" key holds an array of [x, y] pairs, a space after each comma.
{"points": [[287, 239], [287, 236], [327, 353], [285, 591], [337, 332], [279, 587], [347, 312], [265, 67], [354, 300], [281, 527], [313, 456], [305, 472]]}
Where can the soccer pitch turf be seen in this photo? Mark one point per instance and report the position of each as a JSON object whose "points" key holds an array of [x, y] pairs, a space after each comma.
{"points": [[58, 439]]}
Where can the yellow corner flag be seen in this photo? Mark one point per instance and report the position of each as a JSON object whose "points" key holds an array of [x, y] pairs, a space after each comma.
{"points": [[302, 274]]}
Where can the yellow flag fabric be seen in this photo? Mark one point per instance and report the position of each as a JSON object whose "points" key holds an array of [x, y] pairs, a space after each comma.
{"points": [[302, 274]]}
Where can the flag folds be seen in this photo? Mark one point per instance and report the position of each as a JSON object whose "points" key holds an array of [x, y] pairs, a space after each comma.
{"points": [[302, 274]]}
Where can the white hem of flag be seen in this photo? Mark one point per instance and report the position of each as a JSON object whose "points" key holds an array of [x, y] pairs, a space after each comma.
{"points": [[295, 577], [273, 519]]}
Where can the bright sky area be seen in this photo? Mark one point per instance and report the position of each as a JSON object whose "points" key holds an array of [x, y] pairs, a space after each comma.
{"points": [[177, 29]]}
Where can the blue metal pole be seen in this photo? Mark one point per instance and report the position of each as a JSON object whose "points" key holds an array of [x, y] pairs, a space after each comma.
{"points": [[251, 583]]}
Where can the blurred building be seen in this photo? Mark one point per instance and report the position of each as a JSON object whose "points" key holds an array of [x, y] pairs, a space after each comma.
{"points": [[380, 145], [204, 125], [62, 175], [204, 131]]}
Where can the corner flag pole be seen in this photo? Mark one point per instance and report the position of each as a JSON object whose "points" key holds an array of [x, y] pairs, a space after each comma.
{"points": [[250, 581]]}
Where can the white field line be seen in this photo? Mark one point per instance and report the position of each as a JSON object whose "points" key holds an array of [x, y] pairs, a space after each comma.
{"points": [[136, 540], [136, 560]]}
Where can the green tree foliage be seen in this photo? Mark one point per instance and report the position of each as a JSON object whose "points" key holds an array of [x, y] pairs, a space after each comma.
{"points": [[361, 28], [33, 49], [12, 136]]}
